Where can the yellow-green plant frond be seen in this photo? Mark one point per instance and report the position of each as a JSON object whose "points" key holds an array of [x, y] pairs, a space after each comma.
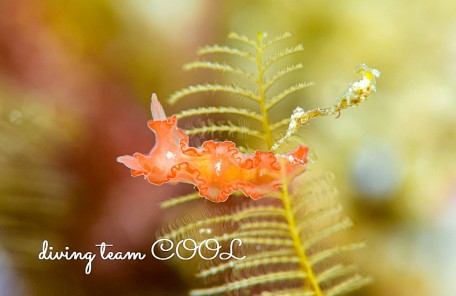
{"points": [[290, 239], [230, 89], [242, 38], [179, 200], [229, 128], [281, 73], [210, 49], [282, 54], [280, 124], [222, 67], [278, 38], [259, 82], [219, 110], [283, 94], [289, 246]]}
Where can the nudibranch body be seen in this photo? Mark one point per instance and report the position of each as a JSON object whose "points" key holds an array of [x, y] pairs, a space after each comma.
{"points": [[217, 169]]}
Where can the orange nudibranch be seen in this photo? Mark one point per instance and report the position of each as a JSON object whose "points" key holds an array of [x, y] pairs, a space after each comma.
{"points": [[217, 169]]}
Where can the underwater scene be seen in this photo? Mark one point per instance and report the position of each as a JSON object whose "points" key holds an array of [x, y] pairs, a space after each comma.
{"points": [[227, 148]]}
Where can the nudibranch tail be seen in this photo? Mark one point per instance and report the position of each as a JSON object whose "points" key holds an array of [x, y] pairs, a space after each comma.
{"points": [[217, 169]]}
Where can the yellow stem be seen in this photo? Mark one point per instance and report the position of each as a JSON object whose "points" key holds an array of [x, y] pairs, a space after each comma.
{"points": [[285, 196], [261, 92], [297, 242]]}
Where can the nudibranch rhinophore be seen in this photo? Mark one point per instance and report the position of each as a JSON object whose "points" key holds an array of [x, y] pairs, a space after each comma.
{"points": [[217, 169]]}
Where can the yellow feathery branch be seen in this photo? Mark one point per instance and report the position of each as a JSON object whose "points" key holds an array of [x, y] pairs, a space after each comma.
{"points": [[230, 128], [222, 67], [202, 88], [242, 38], [279, 74], [276, 99], [284, 53], [274, 40], [218, 110], [227, 50]]}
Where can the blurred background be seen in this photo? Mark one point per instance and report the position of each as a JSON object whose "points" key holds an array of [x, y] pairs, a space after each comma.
{"points": [[75, 84]]}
